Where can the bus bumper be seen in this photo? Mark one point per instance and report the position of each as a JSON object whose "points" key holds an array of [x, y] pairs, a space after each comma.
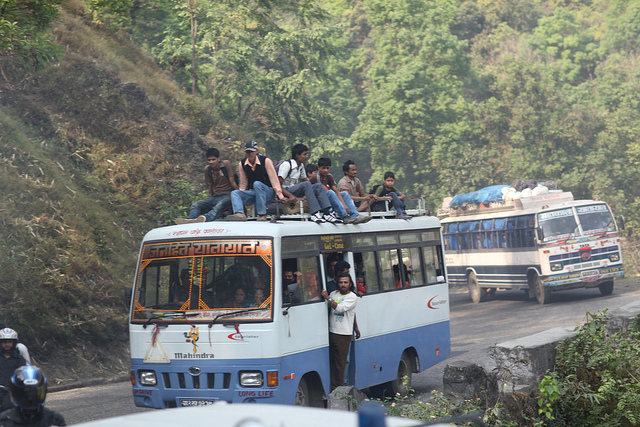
{"points": [[583, 279]]}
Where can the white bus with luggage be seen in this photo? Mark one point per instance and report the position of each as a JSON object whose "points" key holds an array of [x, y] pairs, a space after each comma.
{"points": [[540, 244]]}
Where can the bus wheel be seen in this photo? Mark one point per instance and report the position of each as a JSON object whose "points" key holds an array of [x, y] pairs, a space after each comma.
{"points": [[402, 383], [537, 287], [302, 395], [606, 288], [475, 291]]}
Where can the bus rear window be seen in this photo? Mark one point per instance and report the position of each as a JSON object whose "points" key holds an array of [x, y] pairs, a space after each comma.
{"points": [[204, 280]]}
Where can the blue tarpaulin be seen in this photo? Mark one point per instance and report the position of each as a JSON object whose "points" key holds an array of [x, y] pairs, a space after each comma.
{"points": [[485, 195]]}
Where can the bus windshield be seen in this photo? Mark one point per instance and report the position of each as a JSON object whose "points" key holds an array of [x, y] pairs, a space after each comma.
{"points": [[561, 223], [208, 280], [595, 219]]}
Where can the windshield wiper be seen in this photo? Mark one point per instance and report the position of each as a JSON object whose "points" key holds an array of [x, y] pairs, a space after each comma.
{"points": [[169, 315], [232, 313]]}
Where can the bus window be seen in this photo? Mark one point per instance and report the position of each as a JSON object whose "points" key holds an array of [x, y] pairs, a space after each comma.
{"points": [[431, 264], [411, 258], [303, 283], [487, 238], [387, 260], [463, 236], [368, 271], [498, 225], [595, 219], [310, 282], [451, 242], [474, 235]]}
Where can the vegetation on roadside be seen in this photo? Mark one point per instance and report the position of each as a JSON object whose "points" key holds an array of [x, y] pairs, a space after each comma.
{"points": [[595, 382]]}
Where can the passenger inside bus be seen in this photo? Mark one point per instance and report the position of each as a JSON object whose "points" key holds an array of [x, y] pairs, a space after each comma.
{"points": [[310, 283], [258, 297], [396, 276], [239, 299]]}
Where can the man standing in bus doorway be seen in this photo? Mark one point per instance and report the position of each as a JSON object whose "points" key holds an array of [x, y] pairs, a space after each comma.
{"points": [[258, 184], [343, 310], [220, 178]]}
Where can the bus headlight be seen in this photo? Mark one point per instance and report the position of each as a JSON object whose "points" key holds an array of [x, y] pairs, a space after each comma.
{"points": [[148, 378], [614, 257], [251, 379], [556, 266]]}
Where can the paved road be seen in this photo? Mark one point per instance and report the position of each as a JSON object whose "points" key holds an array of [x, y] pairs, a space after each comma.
{"points": [[474, 327]]}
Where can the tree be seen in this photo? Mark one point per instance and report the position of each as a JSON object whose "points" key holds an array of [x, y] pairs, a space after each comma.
{"points": [[414, 89], [23, 37]]}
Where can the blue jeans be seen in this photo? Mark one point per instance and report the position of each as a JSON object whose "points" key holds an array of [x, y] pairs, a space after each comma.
{"points": [[396, 203], [260, 195], [315, 194], [212, 208], [337, 206]]}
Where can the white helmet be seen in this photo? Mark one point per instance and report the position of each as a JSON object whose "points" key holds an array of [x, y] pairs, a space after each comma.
{"points": [[8, 334]]}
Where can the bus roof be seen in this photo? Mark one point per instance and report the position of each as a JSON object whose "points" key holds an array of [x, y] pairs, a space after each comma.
{"points": [[280, 228], [513, 211]]}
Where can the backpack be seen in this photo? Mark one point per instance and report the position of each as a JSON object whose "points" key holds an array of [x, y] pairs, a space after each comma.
{"points": [[280, 163], [374, 188]]}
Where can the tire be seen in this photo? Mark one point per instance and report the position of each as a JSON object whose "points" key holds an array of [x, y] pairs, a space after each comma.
{"points": [[402, 383], [475, 291], [302, 394], [541, 292], [606, 288]]}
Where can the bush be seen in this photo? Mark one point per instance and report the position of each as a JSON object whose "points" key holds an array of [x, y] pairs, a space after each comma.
{"points": [[598, 376]]}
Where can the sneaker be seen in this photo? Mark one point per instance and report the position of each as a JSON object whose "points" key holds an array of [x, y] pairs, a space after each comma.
{"points": [[262, 218], [403, 215], [181, 221], [237, 217], [361, 219], [349, 219], [332, 218], [317, 218]]}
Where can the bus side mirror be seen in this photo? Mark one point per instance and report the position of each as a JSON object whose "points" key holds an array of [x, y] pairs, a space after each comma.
{"points": [[539, 234], [621, 221], [128, 293]]}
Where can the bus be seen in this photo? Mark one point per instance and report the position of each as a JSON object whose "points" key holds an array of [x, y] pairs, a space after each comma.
{"points": [[212, 319], [539, 244]]}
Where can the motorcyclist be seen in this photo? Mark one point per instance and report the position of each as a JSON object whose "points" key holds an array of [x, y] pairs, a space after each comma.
{"points": [[22, 349], [10, 360], [28, 389]]}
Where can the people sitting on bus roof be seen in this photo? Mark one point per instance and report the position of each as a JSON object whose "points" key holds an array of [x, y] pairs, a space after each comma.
{"points": [[387, 192], [340, 200], [293, 177], [258, 184], [354, 187], [220, 178]]}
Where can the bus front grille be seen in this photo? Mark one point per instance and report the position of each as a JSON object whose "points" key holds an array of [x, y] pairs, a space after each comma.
{"points": [[209, 380]]}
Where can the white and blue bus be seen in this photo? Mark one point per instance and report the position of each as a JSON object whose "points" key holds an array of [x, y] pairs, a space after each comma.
{"points": [[212, 320], [539, 244]]}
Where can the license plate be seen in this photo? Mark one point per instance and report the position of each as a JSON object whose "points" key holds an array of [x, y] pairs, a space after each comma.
{"points": [[196, 402], [589, 273]]}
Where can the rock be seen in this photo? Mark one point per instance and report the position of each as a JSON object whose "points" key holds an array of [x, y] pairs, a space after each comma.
{"points": [[346, 398]]}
